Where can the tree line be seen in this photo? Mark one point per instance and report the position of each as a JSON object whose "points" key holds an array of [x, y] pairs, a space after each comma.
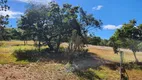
{"points": [[96, 40]]}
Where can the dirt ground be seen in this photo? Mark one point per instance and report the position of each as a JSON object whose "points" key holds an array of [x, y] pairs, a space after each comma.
{"points": [[35, 71]]}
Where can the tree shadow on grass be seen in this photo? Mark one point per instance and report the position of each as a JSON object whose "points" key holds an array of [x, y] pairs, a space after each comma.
{"points": [[43, 56], [116, 65], [29, 55], [128, 66], [80, 58]]}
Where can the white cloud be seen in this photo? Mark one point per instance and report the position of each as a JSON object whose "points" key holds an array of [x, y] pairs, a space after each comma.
{"points": [[36, 1], [12, 14], [112, 27], [99, 7]]}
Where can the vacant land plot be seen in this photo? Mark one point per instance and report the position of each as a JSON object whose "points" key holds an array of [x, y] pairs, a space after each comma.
{"points": [[11, 69]]}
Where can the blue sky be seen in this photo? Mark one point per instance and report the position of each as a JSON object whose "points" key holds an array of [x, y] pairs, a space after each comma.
{"points": [[113, 13]]}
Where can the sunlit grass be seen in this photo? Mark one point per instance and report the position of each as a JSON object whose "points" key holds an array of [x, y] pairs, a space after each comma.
{"points": [[8, 48], [15, 43], [106, 73], [7, 58], [109, 55], [103, 73]]}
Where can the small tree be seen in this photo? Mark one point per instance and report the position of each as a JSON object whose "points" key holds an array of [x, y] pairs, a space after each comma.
{"points": [[128, 35]]}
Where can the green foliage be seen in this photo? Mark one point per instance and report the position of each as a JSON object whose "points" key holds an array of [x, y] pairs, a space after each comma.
{"points": [[104, 42], [140, 46], [115, 43], [3, 19], [127, 37], [13, 34], [130, 31], [94, 40], [50, 25], [7, 58]]}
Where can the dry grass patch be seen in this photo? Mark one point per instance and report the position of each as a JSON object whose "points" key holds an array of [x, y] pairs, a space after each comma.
{"points": [[134, 74], [15, 43], [36, 71], [109, 54]]}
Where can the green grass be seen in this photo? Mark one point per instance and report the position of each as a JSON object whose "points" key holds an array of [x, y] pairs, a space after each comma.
{"points": [[9, 47], [103, 73], [7, 58]]}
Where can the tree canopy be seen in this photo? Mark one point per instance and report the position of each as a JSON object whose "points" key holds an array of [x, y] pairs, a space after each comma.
{"points": [[51, 24], [128, 36]]}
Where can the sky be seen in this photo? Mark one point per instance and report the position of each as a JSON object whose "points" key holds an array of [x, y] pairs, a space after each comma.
{"points": [[113, 13]]}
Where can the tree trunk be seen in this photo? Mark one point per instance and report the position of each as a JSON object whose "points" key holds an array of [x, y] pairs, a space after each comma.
{"points": [[24, 42], [58, 44], [50, 46], [35, 43], [135, 57], [39, 45]]}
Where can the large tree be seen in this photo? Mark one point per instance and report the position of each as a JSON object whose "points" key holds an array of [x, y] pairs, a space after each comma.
{"points": [[50, 24]]}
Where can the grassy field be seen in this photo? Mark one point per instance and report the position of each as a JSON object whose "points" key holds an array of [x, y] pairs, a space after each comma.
{"points": [[108, 54], [12, 69], [8, 47]]}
